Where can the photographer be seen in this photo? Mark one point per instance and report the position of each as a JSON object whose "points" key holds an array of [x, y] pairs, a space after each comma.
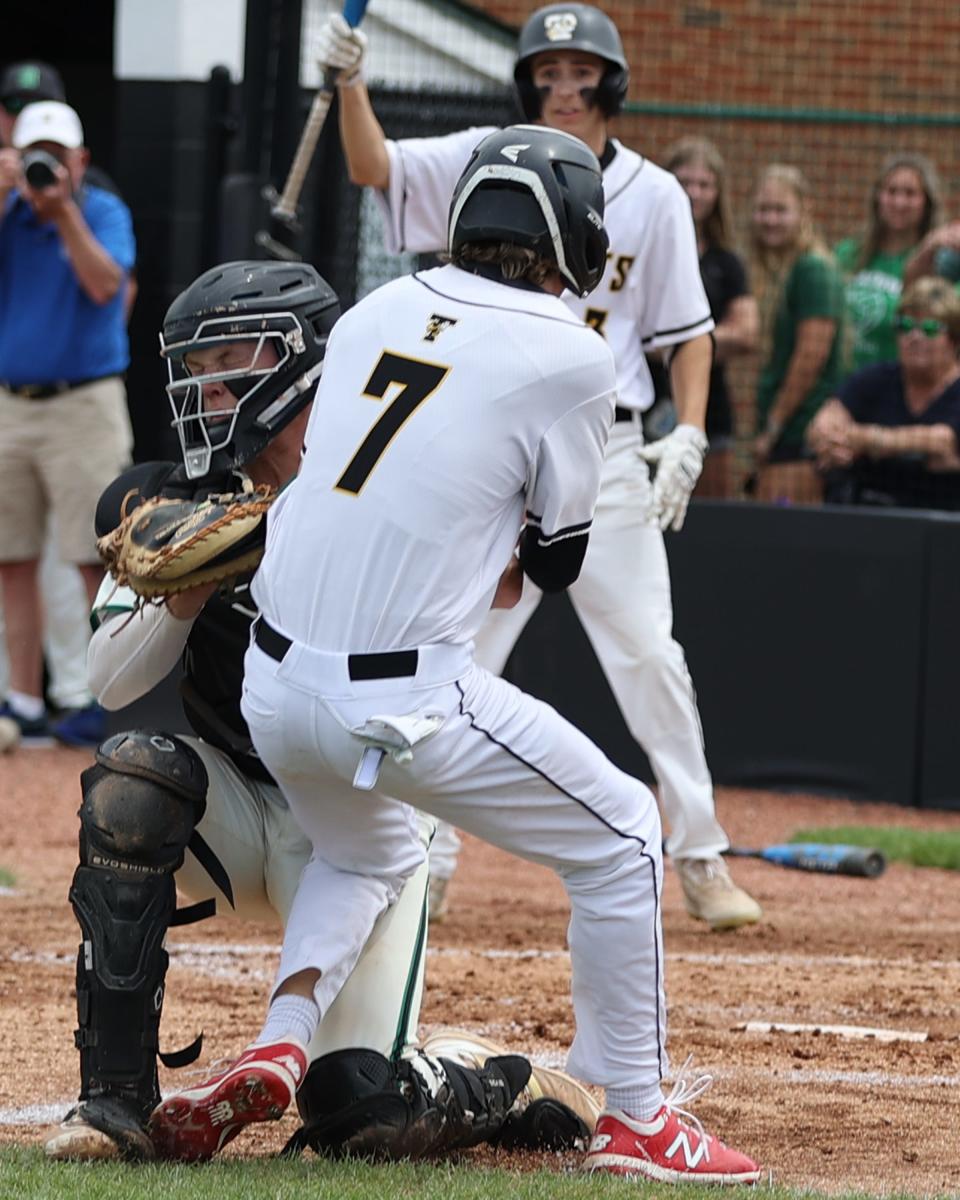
{"points": [[66, 249]]}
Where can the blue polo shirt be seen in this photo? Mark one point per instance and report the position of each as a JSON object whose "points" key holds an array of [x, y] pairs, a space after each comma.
{"points": [[50, 330]]}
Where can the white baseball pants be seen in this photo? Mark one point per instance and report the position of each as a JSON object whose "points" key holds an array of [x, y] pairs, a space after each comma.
{"points": [[249, 827], [503, 766], [623, 601]]}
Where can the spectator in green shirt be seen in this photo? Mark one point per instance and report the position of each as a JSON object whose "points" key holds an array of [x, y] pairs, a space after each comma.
{"points": [[800, 294], [904, 207]]}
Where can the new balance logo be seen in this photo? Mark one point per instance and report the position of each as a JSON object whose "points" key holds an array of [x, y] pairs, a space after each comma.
{"points": [[290, 1062], [514, 152], [221, 1113], [436, 325], [691, 1156]]}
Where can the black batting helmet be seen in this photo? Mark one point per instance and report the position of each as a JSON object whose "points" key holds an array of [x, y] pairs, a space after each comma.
{"points": [[539, 188], [282, 304], [572, 27]]}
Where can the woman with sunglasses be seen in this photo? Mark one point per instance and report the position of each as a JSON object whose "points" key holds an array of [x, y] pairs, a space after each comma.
{"points": [[890, 434], [904, 206]]}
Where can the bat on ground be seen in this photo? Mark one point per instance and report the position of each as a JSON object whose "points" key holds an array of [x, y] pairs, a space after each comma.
{"points": [[819, 856], [284, 207]]}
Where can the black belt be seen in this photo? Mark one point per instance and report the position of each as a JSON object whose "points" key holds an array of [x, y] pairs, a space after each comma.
{"points": [[390, 665], [44, 391], [623, 414]]}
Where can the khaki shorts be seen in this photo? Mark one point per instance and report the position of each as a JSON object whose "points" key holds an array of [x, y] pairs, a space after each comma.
{"points": [[57, 456]]}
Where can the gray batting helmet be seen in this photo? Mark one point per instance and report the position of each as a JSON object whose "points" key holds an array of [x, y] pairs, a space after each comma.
{"points": [[572, 27]]}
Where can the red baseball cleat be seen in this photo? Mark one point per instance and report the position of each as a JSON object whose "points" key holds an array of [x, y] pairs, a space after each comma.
{"points": [[667, 1148], [197, 1122]]}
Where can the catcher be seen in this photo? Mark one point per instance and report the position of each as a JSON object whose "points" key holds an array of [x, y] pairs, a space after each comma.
{"points": [[244, 345]]}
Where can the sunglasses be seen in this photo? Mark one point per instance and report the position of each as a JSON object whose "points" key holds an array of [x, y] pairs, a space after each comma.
{"points": [[929, 326]]}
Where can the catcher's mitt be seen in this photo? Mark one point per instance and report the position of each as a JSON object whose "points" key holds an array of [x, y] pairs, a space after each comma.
{"points": [[168, 545]]}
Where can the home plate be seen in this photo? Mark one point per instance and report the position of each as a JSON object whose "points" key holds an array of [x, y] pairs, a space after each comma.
{"points": [[861, 1032]]}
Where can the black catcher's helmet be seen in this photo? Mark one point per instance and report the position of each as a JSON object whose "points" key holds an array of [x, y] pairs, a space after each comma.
{"points": [[539, 188], [572, 27], [285, 305]]}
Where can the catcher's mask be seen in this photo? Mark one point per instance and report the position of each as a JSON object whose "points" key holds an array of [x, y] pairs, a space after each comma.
{"points": [[572, 27], [539, 188], [286, 307]]}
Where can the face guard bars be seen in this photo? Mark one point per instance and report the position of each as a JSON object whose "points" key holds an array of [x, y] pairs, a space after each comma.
{"points": [[203, 433]]}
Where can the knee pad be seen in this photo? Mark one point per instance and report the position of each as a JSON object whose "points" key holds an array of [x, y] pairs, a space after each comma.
{"points": [[141, 801]]}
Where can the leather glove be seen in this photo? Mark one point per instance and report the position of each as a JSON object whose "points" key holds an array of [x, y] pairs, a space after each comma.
{"points": [[340, 49], [679, 460]]}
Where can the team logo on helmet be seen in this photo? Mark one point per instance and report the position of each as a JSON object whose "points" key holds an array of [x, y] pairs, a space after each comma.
{"points": [[560, 27], [513, 152]]}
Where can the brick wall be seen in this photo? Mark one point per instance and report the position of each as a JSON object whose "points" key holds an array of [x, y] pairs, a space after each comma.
{"points": [[875, 57], [871, 58]]}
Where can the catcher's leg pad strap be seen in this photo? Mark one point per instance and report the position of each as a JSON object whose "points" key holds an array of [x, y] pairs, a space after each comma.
{"points": [[545, 1124], [357, 1102]]}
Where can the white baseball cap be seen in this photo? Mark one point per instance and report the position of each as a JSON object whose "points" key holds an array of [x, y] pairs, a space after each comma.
{"points": [[48, 121]]}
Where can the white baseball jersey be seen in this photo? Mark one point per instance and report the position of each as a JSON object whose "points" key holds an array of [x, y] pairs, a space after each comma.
{"points": [[449, 405], [651, 294]]}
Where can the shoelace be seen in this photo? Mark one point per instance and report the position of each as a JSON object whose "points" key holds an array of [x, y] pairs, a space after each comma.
{"points": [[684, 1092]]}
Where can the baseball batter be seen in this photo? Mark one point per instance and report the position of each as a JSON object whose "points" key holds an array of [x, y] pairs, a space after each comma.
{"points": [[245, 343], [462, 413], [571, 75]]}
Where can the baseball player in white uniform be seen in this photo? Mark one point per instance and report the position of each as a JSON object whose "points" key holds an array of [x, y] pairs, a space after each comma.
{"points": [[457, 443], [571, 74], [203, 814]]}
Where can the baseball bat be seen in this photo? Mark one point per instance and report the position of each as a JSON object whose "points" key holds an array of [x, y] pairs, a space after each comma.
{"points": [[819, 856], [285, 209]]}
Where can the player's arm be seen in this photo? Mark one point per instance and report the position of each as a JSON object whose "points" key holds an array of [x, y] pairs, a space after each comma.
{"points": [[133, 647], [690, 366], [563, 494]]}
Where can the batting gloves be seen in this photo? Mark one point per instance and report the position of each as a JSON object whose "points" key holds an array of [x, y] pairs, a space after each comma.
{"points": [[679, 460], [341, 49]]}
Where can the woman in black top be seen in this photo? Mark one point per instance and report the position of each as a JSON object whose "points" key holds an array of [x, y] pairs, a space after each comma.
{"points": [[891, 434], [698, 165]]}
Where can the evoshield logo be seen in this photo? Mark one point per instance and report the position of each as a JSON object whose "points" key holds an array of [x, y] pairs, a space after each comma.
{"points": [[514, 152]]}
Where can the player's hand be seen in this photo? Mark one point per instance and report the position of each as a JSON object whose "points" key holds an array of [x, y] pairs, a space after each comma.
{"points": [[340, 48], [679, 460]]}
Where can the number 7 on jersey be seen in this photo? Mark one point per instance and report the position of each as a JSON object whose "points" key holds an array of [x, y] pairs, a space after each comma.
{"points": [[418, 380]]}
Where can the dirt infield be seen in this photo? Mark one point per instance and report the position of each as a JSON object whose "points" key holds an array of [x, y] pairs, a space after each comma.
{"points": [[822, 1112]]}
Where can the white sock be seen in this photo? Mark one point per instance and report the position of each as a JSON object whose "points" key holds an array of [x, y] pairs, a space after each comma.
{"points": [[290, 1016], [640, 1102], [31, 708]]}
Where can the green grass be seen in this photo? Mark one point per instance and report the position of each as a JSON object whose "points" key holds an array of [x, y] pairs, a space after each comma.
{"points": [[922, 848], [7, 878], [25, 1172]]}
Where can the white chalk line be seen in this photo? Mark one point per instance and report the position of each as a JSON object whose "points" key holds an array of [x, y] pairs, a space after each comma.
{"points": [[199, 956]]}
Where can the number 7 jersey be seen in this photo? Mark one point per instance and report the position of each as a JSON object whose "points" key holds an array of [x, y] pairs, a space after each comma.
{"points": [[451, 409]]}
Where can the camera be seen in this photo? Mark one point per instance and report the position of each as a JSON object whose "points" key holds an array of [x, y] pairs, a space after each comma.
{"points": [[39, 169]]}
